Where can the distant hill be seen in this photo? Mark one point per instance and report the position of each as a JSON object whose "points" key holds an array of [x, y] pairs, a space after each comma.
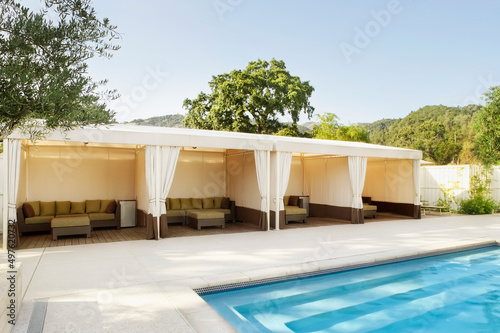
{"points": [[169, 120]]}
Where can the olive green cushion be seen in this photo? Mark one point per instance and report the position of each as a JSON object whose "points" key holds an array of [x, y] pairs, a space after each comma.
{"points": [[175, 204], [38, 219], [217, 202], [36, 207], [77, 207], [47, 208], [186, 203], [176, 212], [286, 198], [208, 203], [73, 215], [205, 214], [197, 203], [104, 205], [223, 211], [294, 210], [92, 206], [101, 216], [63, 207], [74, 221]]}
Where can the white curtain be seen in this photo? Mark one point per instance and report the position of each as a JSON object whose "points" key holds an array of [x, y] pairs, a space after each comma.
{"points": [[151, 178], [416, 181], [14, 151], [169, 156], [357, 173], [285, 163], [261, 169]]}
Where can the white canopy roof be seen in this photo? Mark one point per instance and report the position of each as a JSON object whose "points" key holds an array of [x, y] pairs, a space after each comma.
{"points": [[166, 136]]}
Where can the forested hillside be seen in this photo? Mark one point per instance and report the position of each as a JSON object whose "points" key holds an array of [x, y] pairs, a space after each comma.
{"points": [[443, 133], [169, 120]]}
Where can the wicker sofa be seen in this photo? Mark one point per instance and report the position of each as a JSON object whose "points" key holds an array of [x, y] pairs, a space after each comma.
{"points": [[178, 208], [36, 216], [293, 209]]}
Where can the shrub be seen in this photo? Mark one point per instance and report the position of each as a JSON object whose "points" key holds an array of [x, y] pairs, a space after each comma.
{"points": [[477, 205]]}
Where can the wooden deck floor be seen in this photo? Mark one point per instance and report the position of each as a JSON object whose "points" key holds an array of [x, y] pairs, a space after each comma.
{"points": [[107, 235]]}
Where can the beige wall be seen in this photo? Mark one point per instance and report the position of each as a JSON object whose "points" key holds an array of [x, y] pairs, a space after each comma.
{"points": [[80, 173], [199, 175], [389, 180], [242, 183], [326, 181], [295, 183]]}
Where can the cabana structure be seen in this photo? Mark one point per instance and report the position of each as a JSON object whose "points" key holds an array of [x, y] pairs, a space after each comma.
{"points": [[149, 164]]}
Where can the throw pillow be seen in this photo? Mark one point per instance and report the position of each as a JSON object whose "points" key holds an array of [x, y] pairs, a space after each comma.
{"points": [[36, 207], [77, 207], [217, 202], [104, 205], [63, 207], [47, 208], [28, 210], [208, 203], [175, 204], [286, 200], [186, 203], [293, 201], [197, 203], [110, 209], [225, 203], [92, 206]]}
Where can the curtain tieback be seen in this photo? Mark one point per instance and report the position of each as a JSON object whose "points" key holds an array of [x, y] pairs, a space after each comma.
{"points": [[152, 200]]}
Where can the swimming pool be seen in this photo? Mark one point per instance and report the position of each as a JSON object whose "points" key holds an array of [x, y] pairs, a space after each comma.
{"points": [[458, 292]]}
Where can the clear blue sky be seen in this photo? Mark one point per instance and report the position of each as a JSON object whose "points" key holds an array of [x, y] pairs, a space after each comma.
{"points": [[367, 60]]}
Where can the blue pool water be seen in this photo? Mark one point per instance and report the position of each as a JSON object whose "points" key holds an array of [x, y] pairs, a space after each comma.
{"points": [[457, 292]]}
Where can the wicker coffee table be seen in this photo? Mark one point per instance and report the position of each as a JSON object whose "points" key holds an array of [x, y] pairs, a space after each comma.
{"points": [[74, 225]]}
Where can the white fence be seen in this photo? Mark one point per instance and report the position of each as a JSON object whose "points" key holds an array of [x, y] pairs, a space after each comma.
{"points": [[454, 178]]}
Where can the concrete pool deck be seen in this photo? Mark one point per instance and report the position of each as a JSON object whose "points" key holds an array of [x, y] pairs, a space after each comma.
{"points": [[147, 285]]}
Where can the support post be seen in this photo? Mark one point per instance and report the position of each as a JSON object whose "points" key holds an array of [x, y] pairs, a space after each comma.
{"points": [[268, 180], [277, 219]]}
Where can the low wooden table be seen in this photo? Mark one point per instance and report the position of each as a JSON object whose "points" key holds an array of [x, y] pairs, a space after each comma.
{"points": [[440, 208], [205, 218], [74, 225]]}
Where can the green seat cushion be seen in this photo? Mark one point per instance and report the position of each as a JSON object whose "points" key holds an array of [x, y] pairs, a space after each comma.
{"points": [[101, 216], [197, 203], [217, 202], [176, 212], [175, 203], [77, 207], [38, 219], [92, 206], [367, 207], [186, 203], [205, 214], [286, 198], [63, 207], [36, 207], [223, 211], [72, 215], [74, 221], [47, 208], [208, 203], [294, 210]]}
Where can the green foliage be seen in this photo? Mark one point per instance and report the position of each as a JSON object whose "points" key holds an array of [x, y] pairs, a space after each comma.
{"points": [[448, 200], [169, 120], [43, 69], [330, 129], [250, 100], [441, 132], [487, 126], [480, 199]]}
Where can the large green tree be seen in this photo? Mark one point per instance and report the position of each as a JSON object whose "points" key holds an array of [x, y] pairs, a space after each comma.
{"points": [[487, 126], [251, 100], [43, 66], [329, 128]]}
